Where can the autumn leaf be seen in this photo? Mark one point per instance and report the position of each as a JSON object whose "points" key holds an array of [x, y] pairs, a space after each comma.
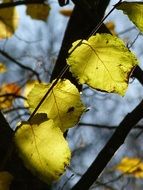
{"points": [[9, 20], [28, 87], [38, 11], [63, 103], [5, 180], [42, 147], [66, 12], [7, 93], [103, 62], [3, 68], [131, 166], [134, 10], [111, 26]]}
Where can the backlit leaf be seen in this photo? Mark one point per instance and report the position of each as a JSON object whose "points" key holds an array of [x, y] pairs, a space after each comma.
{"points": [[43, 148], [5, 180], [9, 20], [63, 104], [134, 10], [6, 99], [38, 11], [28, 87], [132, 166], [103, 62]]}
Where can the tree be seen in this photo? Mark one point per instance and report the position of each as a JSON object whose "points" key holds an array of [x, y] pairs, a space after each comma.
{"points": [[81, 25]]}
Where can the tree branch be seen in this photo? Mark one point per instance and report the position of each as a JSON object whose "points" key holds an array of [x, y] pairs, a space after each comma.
{"points": [[110, 148], [20, 65], [85, 17], [138, 74], [105, 126]]}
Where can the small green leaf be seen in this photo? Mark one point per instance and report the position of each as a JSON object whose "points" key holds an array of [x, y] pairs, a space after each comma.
{"points": [[43, 148], [63, 103], [103, 62], [134, 10]]}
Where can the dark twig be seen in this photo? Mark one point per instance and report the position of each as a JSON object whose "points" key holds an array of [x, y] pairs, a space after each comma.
{"points": [[20, 64], [106, 127]]}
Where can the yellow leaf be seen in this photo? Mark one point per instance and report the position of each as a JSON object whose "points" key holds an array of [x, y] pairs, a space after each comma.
{"points": [[132, 166], [9, 20], [134, 10], [38, 11], [6, 99], [103, 62], [28, 87], [66, 12], [5, 180], [43, 148], [2, 68], [63, 104]]}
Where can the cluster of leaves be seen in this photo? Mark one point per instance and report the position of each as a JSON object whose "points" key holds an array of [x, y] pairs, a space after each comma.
{"points": [[104, 63]]}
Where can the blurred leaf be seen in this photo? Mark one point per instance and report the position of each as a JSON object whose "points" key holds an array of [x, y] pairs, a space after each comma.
{"points": [[133, 166], [5, 180], [66, 12], [3, 68], [5, 99], [111, 26], [9, 20], [63, 103], [38, 11], [134, 10], [11, 88], [103, 62], [43, 148]]}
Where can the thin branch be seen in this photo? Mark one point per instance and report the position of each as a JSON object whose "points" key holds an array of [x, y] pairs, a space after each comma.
{"points": [[114, 143], [20, 64], [15, 109], [105, 127], [16, 3]]}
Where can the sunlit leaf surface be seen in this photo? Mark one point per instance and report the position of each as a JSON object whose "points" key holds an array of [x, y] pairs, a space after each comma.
{"points": [[28, 87], [43, 149], [38, 11], [63, 103], [103, 62], [132, 166]]}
